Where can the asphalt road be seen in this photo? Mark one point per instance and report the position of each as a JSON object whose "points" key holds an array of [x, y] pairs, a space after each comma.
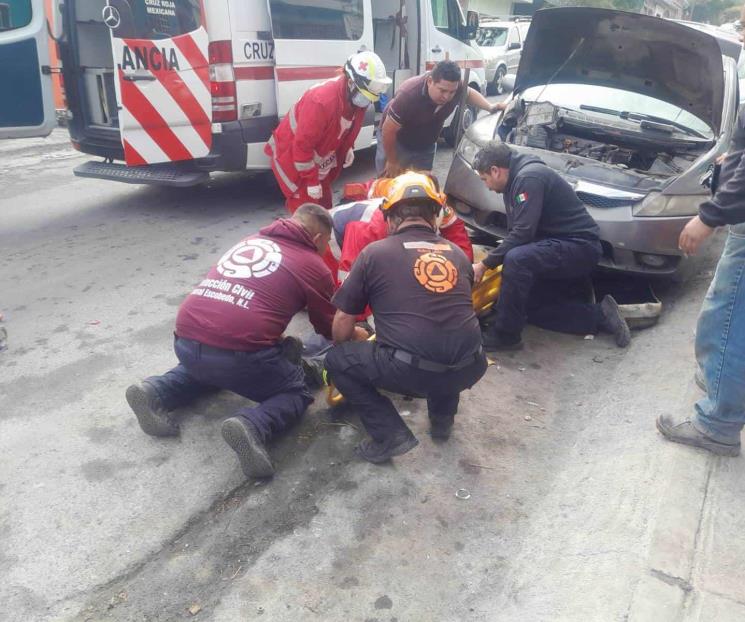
{"points": [[577, 509]]}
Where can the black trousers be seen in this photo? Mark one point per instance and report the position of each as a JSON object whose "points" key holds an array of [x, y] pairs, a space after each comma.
{"points": [[264, 376], [358, 369], [539, 286]]}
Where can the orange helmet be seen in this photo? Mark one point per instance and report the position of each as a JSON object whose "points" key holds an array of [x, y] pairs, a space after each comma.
{"points": [[411, 185]]}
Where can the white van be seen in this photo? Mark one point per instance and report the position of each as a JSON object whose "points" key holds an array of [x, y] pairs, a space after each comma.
{"points": [[179, 88]]}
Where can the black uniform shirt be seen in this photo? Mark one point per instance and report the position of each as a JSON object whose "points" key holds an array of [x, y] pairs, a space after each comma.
{"points": [[419, 288]]}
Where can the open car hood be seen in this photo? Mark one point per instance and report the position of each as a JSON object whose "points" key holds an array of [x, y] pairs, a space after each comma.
{"points": [[639, 53]]}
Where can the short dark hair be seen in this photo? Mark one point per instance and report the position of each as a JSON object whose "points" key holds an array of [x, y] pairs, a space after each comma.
{"points": [[446, 70], [493, 153], [414, 208], [314, 218]]}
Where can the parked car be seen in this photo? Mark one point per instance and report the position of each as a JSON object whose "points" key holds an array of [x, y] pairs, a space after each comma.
{"points": [[631, 109], [501, 42]]}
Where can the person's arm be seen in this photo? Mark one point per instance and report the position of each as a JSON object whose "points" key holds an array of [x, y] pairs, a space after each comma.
{"points": [[343, 328], [476, 99], [390, 133], [727, 206], [527, 206], [309, 132], [319, 305]]}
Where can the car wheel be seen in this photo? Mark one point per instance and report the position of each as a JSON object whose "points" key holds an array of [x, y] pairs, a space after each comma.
{"points": [[501, 73], [449, 133]]}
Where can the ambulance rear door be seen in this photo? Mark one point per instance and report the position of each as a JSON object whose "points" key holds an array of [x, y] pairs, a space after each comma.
{"points": [[313, 39], [161, 58], [26, 95]]}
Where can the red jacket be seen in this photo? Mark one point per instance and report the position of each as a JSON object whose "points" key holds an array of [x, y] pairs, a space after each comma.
{"points": [[312, 140], [246, 301], [357, 225]]}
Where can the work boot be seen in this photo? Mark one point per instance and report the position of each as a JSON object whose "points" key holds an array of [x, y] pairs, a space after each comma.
{"points": [[440, 428], [315, 372], [152, 416], [494, 339], [245, 440], [685, 433], [398, 444], [614, 323], [292, 349]]}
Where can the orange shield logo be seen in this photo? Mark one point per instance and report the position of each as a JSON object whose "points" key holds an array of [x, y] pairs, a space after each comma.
{"points": [[435, 273]]}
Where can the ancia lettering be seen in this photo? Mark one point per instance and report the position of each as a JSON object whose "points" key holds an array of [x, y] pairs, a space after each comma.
{"points": [[150, 58]]}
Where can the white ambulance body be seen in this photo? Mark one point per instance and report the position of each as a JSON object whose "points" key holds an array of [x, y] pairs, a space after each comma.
{"points": [[167, 91]]}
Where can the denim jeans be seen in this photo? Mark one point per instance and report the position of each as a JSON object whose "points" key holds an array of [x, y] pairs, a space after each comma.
{"points": [[720, 345], [417, 159]]}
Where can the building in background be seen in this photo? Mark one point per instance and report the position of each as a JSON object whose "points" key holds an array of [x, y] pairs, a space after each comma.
{"points": [[673, 9], [499, 8]]}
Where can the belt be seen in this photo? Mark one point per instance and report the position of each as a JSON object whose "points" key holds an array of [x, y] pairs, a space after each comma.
{"points": [[425, 365], [205, 349]]}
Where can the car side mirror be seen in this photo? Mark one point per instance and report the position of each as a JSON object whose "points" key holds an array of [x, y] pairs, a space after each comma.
{"points": [[472, 25], [508, 82], [515, 45]]}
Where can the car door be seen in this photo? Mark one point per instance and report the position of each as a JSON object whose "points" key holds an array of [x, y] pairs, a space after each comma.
{"points": [[163, 79], [312, 40], [26, 94], [514, 46]]}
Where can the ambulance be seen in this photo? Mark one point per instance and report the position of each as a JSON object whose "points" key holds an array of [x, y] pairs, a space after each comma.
{"points": [[167, 91]]}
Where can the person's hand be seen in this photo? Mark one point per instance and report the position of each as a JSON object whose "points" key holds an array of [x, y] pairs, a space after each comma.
{"points": [[692, 236], [315, 192], [478, 272], [360, 334], [392, 169], [720, 160], [497, 107], [349, 159]]}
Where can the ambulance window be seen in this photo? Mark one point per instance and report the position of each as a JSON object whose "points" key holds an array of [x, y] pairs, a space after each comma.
{"points": [[160, 19], [447, 17], [310, 19], [14, 14]]}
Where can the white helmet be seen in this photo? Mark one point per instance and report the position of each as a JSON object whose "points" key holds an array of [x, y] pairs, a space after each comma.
{"points": [[367, 72]]}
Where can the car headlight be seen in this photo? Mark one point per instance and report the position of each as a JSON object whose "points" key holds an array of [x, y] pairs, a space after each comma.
{"points": [[658, 204], [468, 149]]}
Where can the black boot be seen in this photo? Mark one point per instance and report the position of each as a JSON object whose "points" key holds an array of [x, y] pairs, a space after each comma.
{"points": [[614, 323], [440, 428], [245, 440], [292, 349], [498, 340], [396, 445], [152, 416]]}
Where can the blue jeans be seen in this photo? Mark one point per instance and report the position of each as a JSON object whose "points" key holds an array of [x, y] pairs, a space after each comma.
{"points": [[418, 159], [264, 376], [720, 345]]}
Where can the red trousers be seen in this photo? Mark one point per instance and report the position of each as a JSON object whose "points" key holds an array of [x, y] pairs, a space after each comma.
{"points": [[301, 196]]}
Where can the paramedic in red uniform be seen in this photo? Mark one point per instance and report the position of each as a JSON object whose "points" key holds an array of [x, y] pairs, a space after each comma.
{"points": [[360, 223], [229, 336], [315, 139]]}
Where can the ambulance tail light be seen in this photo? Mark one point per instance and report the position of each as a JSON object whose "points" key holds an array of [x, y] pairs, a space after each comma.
{"points": [[222, 82]]}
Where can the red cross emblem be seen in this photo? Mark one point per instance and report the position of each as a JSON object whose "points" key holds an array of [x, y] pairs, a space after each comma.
{"points": [[362, 66]]}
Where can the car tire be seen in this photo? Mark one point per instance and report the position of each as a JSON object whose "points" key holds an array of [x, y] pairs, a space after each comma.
{"points": [[497, 83], [450, 134]]}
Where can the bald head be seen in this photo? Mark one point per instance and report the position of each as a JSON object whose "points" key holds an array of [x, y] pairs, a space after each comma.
{"points": [[316, 220]]}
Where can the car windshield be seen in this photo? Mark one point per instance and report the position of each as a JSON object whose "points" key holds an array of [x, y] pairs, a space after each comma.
{"points": [[572, 96], [491, 37]]}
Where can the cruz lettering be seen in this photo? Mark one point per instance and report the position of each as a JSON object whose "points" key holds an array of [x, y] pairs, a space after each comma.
{"points": [[150, 58]]}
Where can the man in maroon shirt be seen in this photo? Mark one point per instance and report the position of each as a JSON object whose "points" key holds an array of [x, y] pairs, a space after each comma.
{"points": [[229, 336]]}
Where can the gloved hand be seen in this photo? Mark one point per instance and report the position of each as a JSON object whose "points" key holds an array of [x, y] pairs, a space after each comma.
{"points": [[349, 159], [315, 192]]}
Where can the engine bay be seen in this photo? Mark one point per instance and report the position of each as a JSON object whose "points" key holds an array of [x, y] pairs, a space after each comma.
{"points": [[543, 125]]}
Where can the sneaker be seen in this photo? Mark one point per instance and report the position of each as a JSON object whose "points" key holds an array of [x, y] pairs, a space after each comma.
{"points": [[292, 349], [151, 414], [440, 429], [397, 445], [614, 323], [684, 432], [497, 340], [244, 439]]}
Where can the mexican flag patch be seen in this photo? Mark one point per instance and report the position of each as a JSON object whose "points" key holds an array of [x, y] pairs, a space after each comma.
{"points": [[521, 198]]}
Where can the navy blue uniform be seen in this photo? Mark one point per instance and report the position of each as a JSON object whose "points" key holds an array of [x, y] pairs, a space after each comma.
{"points": [[552, 242]]}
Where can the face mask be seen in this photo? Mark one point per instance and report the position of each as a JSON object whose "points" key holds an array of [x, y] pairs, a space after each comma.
{"points": [[359, 100]]}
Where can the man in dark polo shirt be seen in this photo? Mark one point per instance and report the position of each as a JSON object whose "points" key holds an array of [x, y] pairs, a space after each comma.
{"points": [[412, 121], [428, 341], [229, 336]]}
